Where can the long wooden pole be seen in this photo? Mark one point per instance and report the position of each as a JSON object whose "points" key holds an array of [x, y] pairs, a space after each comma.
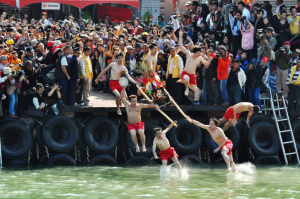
{"points": [[159, 110]]}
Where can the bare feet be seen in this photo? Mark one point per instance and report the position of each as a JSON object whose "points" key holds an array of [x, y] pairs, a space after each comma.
{"points": [[137, 148], [229, 169], [186, 92], [234, 170], [119, 111], [144, 148]]}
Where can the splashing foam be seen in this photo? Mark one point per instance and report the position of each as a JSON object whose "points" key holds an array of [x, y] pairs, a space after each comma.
{"points": [[170, 172], [244, 173]]}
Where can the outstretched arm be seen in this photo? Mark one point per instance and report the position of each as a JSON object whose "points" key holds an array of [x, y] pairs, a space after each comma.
{"points": [[169, 127], [206, 63], [150, 106], [129, 77], [199, 124], [181, 44], [103, 72], [125, 102], [154, 148]]}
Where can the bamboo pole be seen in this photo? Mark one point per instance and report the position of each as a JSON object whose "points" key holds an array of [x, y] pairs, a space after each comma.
{"points": [[159, 110]]}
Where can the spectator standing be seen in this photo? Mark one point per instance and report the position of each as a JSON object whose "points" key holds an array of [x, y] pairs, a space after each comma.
{"points": [[294, 21], [278, 3], [282, 58], [248, 39], [44, 20], [235, 25], [293, 88], [161, 21], [5, 78], [85, 72], [245, 11], [235, 82], [3, 62], [212, 81], [62, 71]]}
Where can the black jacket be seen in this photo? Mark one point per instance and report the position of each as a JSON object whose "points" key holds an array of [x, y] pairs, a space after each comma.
{"points": [[211, 72], [254, 77]]}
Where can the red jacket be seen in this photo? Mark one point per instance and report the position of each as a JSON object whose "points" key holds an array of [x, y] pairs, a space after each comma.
{"points": [[223, 65]]}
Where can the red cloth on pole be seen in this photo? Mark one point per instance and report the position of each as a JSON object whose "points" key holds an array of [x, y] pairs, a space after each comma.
{"points": [[120, 14]]}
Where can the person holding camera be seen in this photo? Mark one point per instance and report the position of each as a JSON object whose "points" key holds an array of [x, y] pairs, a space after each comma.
{"points": [[5, 78], [266, 46], [52, 96], [282, 59], [254, 81], [36, 107], [235, 24]]}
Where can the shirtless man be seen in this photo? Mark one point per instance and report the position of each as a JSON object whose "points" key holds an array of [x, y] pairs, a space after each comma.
{"points": [[219, 137], [135, 124], [232, 113], [188, 76], [166, 151], [117, 69]]}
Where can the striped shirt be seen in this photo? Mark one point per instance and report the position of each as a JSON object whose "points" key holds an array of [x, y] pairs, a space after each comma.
{"points": [[295, 77]]}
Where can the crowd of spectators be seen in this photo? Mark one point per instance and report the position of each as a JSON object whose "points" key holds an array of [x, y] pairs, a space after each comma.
{"points": [[48, 63]]}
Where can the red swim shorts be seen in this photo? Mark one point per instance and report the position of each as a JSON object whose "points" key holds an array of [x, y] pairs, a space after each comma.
{"points": [[228, 144], [229, 114], [114, 85], [168, 154], [192, 77], [137, 126]]}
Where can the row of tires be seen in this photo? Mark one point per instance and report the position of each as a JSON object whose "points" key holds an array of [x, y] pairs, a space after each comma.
{"points": [[56, 135]]}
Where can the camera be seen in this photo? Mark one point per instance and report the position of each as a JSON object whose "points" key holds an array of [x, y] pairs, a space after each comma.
{"points": [[60, 87], [13, 73], [283, 49], [253, 10], [243, 18], [218, 54], [260, 31]]}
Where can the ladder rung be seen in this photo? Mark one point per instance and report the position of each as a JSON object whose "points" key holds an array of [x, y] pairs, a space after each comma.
{"points": [[284, 131], [291, 153], [288, 142], [277, 100], [282, 120], [279, 109], [279, 91]]}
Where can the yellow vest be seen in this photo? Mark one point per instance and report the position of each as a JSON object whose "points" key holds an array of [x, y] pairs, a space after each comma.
{"points": [[87, 70], [124, 56], [293, 69], [294, 27], [175, 71], [146, 55]]}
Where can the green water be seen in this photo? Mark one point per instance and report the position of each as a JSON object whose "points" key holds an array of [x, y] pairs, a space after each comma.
{"points": [[204, 181]]}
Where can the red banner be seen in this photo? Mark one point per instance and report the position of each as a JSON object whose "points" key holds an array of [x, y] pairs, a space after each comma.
{"points": [[115, 13]]}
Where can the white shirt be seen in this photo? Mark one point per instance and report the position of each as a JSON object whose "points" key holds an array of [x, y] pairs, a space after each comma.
{"points": [[180, 65], [63, 61], [278, 8], [246, 13]]}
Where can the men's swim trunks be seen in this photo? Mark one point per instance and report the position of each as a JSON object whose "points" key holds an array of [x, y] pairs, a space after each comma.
{"points": [[192, 77], [114, 85], [229, 114], [228, 144], [168, 154], [137, 126]]}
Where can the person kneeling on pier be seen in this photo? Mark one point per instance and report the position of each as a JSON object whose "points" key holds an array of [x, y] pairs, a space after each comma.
{"points": [[166, 151], [36, 107]]}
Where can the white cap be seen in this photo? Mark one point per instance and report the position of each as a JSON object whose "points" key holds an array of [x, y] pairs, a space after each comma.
{"points": [[166, 41], [187, 3]]}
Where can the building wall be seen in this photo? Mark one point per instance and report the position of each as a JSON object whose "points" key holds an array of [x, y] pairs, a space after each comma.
{"points": [[166, 8], [153, 6]]}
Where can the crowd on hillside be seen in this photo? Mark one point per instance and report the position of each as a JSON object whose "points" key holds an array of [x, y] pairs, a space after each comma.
{"points": [[48, 63]]}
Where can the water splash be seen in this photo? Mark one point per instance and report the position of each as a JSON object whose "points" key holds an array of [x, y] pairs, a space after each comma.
{"points": [[171, 172], [245, 173]]}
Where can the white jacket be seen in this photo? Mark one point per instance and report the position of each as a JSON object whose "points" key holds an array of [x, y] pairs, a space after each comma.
{"points": [[241, 76]]}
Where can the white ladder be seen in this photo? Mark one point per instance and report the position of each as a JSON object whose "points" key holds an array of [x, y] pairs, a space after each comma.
{"points": [[281, 119]]}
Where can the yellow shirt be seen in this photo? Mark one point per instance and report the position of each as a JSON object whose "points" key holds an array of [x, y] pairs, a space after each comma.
{"points": [[294, 27], [16, 65]]}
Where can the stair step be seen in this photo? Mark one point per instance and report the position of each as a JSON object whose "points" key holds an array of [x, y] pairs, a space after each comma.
{"points": [[288, 142], [291, 153], [284, 131], [282, 120]]}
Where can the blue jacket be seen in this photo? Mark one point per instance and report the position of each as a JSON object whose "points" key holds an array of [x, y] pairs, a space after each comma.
{"points": [[244, 65], [73, 64]]}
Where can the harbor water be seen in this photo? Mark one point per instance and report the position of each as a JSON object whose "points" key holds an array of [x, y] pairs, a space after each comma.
{"points": [[201, 181]]}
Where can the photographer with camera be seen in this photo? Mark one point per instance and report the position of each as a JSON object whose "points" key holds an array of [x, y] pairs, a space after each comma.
{"points": [[215, 18], [36, 107], [254, 81], [52, 96], [282, 59], [235, 23], [266, 46]]}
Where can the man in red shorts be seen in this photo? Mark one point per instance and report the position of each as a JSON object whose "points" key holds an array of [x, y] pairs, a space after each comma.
{"points": [[117, 69], [135, 124], [166, 151], [188, 76], [232, 113], [225, 144]]}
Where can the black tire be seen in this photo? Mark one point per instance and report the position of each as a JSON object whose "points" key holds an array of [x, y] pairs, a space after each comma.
{"points": [[61, 159], [101, 135], [190, 159], [267, 160], [149, 135], [9, 119], [15, 162], [255, 119], [260, 134], [186, 137], [16, 140], [138, 161], [103, 160], [230, 133], [60, 133], [40, 123], [81, 126], [296, 132]]}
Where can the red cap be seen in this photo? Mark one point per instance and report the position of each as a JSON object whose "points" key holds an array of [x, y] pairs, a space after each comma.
{"points": [[115, 21], [18, 37], [286, 43], [266, 59], [50, 44]]}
